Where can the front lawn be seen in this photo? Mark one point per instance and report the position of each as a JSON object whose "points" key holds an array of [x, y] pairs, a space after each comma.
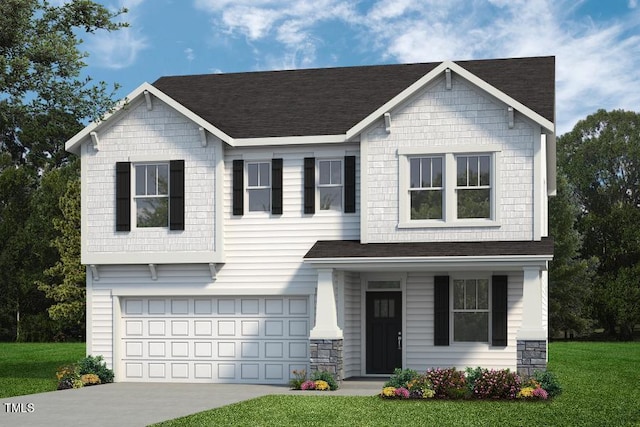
{"points": [[601, 387], [27, 368]]}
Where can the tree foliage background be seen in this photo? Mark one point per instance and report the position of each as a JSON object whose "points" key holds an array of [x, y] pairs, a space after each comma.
{"points": [[600, 158], [43, 102]]}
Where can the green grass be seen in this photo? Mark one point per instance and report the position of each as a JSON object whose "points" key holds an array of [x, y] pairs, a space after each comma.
{"points": [[601, 387], [27, 368]]}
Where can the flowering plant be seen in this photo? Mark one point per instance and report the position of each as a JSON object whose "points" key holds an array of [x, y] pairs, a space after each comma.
{"points": [[496, 384], [90, 379], [299, 377], [321, 385], [388, 392], [308, 385], [447, 383], [402, 393]]}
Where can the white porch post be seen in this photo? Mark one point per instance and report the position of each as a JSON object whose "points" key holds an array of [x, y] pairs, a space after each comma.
{"points": [[533, 327], [326, 311]]}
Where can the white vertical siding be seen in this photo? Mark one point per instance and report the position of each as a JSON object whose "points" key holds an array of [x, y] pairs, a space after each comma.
{"points": [[352, 325], [463, 116], [421, 354]]}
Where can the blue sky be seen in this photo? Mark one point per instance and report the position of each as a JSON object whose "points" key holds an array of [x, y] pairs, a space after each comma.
{"points": [[596, 42]]}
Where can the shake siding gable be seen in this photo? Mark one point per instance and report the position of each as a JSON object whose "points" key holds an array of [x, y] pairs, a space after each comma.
{"points": [[437, 120], [140, 135]]}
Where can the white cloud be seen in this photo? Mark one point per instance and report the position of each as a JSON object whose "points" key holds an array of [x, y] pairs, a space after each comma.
{"points": [[597, 61], [118, 49], [190, 54]]}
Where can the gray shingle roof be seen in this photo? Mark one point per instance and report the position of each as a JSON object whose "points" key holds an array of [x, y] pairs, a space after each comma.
{"points": [[354, 249], [329, 101]]}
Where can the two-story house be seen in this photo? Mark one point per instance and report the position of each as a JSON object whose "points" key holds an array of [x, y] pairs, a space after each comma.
{"points": [[237, 227]]}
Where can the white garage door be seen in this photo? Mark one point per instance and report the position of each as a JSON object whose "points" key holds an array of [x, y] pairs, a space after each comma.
{"points": [[226, 339]]}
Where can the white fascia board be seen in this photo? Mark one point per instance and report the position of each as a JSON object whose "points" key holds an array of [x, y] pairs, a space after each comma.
{"points": [[104, 258], [73, 145], [289, 140], [397, 100], [162, 290], [421, 263], [432, 75]]}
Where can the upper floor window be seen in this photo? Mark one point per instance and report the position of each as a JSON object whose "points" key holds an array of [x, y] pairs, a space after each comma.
{"points": [[259, 186], [330, 184], [471, 310], [450, 189], [474, 186], [425, 188], [152, 195]]}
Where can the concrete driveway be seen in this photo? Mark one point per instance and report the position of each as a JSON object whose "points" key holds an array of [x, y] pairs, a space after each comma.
{"points": [[141, 404]]}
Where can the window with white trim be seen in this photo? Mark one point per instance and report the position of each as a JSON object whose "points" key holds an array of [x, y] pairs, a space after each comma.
{"points": [[259, 186], [473, 186], [448, 189], [152, 195], [471, 310], [425, 188], [330, 184]]}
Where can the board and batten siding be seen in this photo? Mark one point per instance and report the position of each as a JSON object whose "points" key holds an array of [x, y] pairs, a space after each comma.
{"points": [[264, 250], [351, 327], [421, 354], [142, 135], [440, 119]]}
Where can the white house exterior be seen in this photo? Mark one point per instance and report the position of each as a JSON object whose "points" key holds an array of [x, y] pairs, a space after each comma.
{"points": [[237, 227]]}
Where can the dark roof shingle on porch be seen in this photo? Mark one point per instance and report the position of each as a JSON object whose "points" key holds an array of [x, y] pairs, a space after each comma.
{"points": [[329, 101], [355, 249]]}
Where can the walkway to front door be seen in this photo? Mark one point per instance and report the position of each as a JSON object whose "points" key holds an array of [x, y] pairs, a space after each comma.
{"points": [[384, 332]]}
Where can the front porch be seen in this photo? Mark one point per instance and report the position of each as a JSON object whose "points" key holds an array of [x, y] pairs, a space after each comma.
{"points": [[374, 314]]}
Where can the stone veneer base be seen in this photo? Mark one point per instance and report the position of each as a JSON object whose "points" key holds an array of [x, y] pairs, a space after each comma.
{"points": [[327, 355], [532, 356]]}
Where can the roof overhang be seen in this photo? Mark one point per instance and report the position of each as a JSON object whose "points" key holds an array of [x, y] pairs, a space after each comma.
{"points": [[144, 90], [434, 256]]}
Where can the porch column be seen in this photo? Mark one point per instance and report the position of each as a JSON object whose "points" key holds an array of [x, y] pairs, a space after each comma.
{"points": [[532, 336], [532, 327], [326, 311]]}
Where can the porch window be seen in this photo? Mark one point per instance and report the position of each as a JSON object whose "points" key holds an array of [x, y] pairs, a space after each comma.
{"points": [[471, 310]]}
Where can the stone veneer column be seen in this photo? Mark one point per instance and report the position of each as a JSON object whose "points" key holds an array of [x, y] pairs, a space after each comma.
{"points": [[326, 355], [532, 356]]}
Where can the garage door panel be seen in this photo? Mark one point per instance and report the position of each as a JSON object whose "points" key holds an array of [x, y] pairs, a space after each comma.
{"points": [[243, 339]]}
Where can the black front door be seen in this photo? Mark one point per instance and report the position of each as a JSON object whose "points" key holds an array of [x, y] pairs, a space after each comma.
{"points": [[384, 332]]}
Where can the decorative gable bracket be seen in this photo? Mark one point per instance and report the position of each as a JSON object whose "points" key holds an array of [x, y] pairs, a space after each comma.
{"points": [[147, 98], [387, 122], [203, 136], [447, 77], [94, 140], [510, 113]]}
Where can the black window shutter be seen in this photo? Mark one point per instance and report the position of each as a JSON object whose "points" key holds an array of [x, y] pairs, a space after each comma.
{"points": [[349, 184], [276, 186], [309, 185], [441, 310], [123, 196], [176, 195], [238, 187], [499, 311]]}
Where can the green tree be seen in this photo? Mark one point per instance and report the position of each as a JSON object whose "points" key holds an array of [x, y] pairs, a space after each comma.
{"points": [[570, 276], [44, 101], [66, 279], [601, 157]]}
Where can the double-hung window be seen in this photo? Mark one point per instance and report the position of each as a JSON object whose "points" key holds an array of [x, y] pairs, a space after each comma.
{"points": [[152, 195], [259, 186], [471, 310], [330, 184], [473, 186], [425, 188], [456, 188]]}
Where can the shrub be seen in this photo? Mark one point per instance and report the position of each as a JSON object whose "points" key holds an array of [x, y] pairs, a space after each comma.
{"points": [[90, 379], [448, 383], [401, 378], [402, 393], [97, 366], [299, 377], [326, 377], [549, 382], [421, 387], [321, 385], [308, 385], [68, 377], [500, 384]]}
